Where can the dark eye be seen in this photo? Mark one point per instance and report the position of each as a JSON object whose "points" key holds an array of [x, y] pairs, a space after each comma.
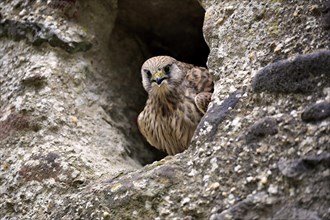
{"points": [[167, 69], [148, 73]]}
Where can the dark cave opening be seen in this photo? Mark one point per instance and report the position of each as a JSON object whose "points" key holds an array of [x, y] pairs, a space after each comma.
{"points": [[144, 29], [167, 27]]}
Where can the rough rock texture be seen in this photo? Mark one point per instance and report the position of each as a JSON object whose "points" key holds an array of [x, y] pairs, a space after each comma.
{"points": [[261, 151], [316, 112], [55, 134], [303, 74]]}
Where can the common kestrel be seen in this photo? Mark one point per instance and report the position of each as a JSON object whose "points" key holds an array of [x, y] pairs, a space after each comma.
{"points": [[178, 96]]}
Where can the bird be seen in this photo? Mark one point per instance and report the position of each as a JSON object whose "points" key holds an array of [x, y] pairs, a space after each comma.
{"points": [[178, 97]]}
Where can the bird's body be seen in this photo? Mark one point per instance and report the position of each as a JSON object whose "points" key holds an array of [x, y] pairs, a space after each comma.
{"points": [[178, 95]]}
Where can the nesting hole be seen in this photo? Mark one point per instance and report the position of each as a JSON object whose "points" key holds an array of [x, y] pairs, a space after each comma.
{"points": [[143, 29]]}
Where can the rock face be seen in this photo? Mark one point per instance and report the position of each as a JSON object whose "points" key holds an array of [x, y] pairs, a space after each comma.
{"points": [[70, 92]]}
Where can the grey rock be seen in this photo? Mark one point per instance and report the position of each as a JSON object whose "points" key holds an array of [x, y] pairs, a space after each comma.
{"points": [[207, 127], [250, 208], [316, 112], [326, 15], [295, 168], [301, 74], [260, 129], [37, 34], [289, 212]]}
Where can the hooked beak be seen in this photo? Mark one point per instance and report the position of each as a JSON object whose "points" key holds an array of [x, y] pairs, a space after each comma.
{"points": [[158, 77]]}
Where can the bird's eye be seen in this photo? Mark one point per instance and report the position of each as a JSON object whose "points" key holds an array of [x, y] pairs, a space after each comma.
{"points": [[167, 69], [148, 73]]}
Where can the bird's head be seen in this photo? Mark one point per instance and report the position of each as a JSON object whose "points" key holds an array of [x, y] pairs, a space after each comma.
{"points": [[161, 74]]}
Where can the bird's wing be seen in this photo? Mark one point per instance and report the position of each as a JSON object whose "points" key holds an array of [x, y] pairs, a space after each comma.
{"points": [[202, 101], [199, 79]]}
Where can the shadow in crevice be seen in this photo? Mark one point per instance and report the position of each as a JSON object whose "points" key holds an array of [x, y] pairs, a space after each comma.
{"points": [[168, 27]]}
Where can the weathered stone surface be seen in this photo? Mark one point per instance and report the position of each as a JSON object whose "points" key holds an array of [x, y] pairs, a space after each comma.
{"points": [[13, 123], [207, 127], [37, 34], [304, 73], [249, 208], [289, 212], [326, 15], [260, 129], [54, 138], [316, 112], [295, 168], [68, 133]]}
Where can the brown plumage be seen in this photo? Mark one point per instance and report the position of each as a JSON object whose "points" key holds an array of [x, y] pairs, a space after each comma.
{"points": [[179, 94]]}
